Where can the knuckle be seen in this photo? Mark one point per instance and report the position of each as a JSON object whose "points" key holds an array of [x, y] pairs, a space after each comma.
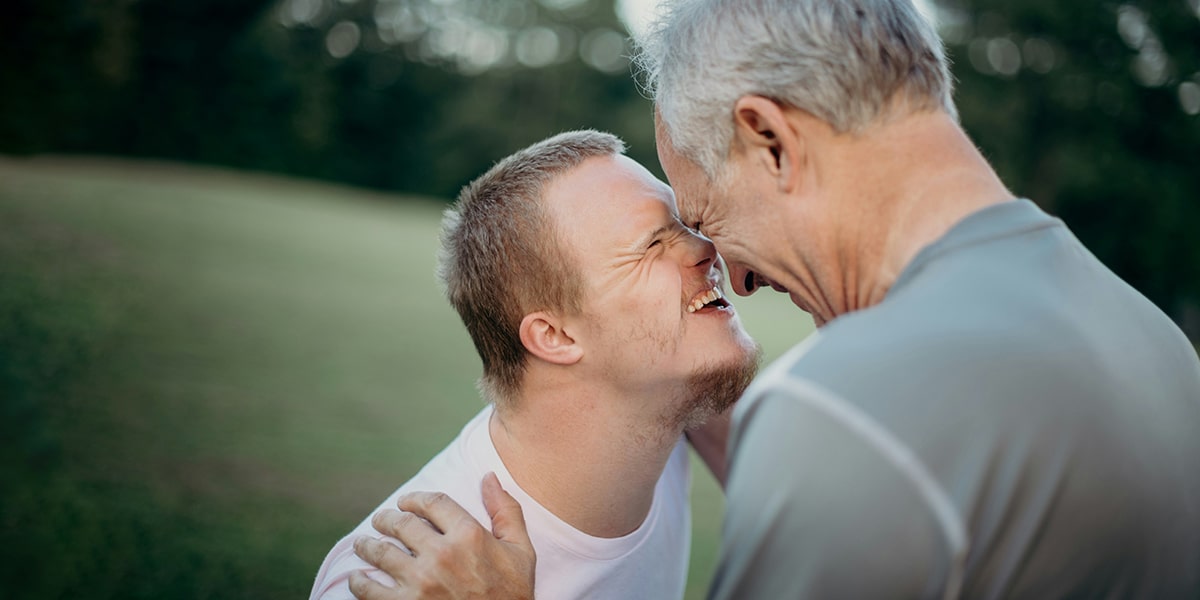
{"points": [[433, 498], [518, 510], [389, 521], [372, 552], [365, 547], [404, 520], [355, 583]]}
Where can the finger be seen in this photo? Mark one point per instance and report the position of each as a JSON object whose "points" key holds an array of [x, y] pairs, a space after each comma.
{"points": [[365, 588], [414, 532], [508, 520], [437, 508], [383, 556]]}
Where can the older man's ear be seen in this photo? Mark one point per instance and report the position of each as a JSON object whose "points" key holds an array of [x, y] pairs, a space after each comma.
{"points": [[771, 138], [544, 335]]}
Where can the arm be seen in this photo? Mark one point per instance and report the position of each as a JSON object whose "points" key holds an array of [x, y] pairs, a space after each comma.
{"points": [[821, 504], [452, 555], [710, 441]]}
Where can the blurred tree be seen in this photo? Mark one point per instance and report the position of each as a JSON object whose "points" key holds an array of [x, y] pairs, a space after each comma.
{"points": [[413, 95], [1091, 111], [204, 85], [60, 62], [440, 90]]}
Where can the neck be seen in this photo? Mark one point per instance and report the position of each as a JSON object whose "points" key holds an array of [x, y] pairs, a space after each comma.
{"points": [[902, 185], [573, 453]]}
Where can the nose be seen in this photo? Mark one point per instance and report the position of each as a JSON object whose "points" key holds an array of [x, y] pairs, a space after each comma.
{"points": [[743, 281], [700, 251]]}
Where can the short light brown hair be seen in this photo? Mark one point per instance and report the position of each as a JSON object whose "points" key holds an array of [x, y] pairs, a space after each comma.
{"points": [[502, 257]]}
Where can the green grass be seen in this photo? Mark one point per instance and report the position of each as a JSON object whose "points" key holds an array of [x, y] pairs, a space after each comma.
{"points": [[208, 377]]}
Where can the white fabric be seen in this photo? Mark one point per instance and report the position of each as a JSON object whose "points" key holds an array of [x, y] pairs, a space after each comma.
{"points": [[651, 562]]}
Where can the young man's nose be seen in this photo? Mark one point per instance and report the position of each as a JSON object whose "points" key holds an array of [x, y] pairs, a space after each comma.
{"points": [[701, 251]]}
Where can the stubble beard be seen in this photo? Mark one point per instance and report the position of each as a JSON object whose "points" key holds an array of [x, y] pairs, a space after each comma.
{"points": [[712, 389]]}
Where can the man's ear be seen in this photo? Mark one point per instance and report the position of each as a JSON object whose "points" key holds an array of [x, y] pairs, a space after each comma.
{"points": [[768, 137], [543, 335]]}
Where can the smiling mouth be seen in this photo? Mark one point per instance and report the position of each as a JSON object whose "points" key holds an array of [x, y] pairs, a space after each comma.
{"points": [[710, 298]]}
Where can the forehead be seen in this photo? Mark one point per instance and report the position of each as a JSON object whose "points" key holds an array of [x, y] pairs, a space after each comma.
{"points": [[607, 203], [691, 185]]}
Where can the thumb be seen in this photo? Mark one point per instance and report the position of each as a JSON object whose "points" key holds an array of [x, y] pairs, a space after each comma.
{"points": [[508, 520]]}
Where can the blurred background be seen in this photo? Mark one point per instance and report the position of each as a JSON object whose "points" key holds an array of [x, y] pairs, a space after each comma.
{"points": [[221, 340]]}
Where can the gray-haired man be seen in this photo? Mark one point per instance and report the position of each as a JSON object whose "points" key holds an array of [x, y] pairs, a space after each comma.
{"points": [[987, 411]]}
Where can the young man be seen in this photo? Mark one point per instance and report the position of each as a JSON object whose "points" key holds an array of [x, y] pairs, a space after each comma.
{"points": [[987, 411], [604, 335]]}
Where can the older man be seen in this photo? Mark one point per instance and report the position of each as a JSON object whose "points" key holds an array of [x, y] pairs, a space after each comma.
{"points": [[604, 334], [987, 411]]}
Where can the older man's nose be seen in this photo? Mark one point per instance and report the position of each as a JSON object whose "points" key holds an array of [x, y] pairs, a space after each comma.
{"points": [[744, 281]]}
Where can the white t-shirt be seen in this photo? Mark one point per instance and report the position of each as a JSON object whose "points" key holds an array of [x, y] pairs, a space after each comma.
{"points": [[650, 562]]}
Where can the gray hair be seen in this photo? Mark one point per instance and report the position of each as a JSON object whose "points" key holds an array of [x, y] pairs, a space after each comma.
{"points": [[843, 61]]}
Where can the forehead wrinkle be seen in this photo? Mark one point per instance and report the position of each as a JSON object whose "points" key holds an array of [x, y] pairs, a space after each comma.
{"points": [[692, 196]]}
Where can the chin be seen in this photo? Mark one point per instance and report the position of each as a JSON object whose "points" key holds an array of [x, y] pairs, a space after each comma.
{"points": [[712, 389]]}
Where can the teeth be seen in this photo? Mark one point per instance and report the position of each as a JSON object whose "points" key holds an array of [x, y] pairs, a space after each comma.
{"points": [[705, 298]]}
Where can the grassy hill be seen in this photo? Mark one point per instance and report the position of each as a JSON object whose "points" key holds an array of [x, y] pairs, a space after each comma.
{"points": [[208, 377]]}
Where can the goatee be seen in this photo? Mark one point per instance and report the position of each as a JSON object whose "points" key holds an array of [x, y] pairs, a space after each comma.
{"points": [[712, 390]]}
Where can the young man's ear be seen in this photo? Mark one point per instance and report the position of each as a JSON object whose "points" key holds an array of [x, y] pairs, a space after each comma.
{"points": [[543, 336], [769, 139]]}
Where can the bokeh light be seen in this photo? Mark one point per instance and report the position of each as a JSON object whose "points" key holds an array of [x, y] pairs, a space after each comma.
{"points": [[537, 46], [1189, 97], [301, 12], [342, 39], [604, 50]]}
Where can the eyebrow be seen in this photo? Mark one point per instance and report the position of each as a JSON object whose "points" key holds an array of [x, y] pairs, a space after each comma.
{"points": [[647, 239]]}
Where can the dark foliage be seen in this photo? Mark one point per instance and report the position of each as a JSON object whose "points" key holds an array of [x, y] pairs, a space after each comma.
{"points": [[1077, 112]]}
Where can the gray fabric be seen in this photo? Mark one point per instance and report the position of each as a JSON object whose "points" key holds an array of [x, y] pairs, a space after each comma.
{"points": [[1012, 421]]}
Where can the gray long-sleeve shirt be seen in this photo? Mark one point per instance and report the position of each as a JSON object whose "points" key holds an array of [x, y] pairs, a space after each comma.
{"points": [[1012, 421]]}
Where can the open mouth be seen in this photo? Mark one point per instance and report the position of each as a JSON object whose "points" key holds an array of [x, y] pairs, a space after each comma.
{"points": [[756, 280], [711, 298]]}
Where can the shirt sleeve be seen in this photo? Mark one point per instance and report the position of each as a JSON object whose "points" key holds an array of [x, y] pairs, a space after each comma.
{"points": [[819, 506]]}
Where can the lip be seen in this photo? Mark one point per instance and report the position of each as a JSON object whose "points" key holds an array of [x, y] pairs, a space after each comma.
{"points": [[761, 281], [726, 310]]}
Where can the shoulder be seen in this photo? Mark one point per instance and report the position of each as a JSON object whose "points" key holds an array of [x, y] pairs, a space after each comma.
{"points": [[452, 472], [824, 436], [332, 582], [818, 492]]}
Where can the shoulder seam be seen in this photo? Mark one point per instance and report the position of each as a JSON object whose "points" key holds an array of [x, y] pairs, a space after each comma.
{"points": [[902, 458]]}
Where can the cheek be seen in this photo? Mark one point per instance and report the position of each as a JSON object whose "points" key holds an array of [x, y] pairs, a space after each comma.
{"points": [[659, 306], [647, 312]]}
